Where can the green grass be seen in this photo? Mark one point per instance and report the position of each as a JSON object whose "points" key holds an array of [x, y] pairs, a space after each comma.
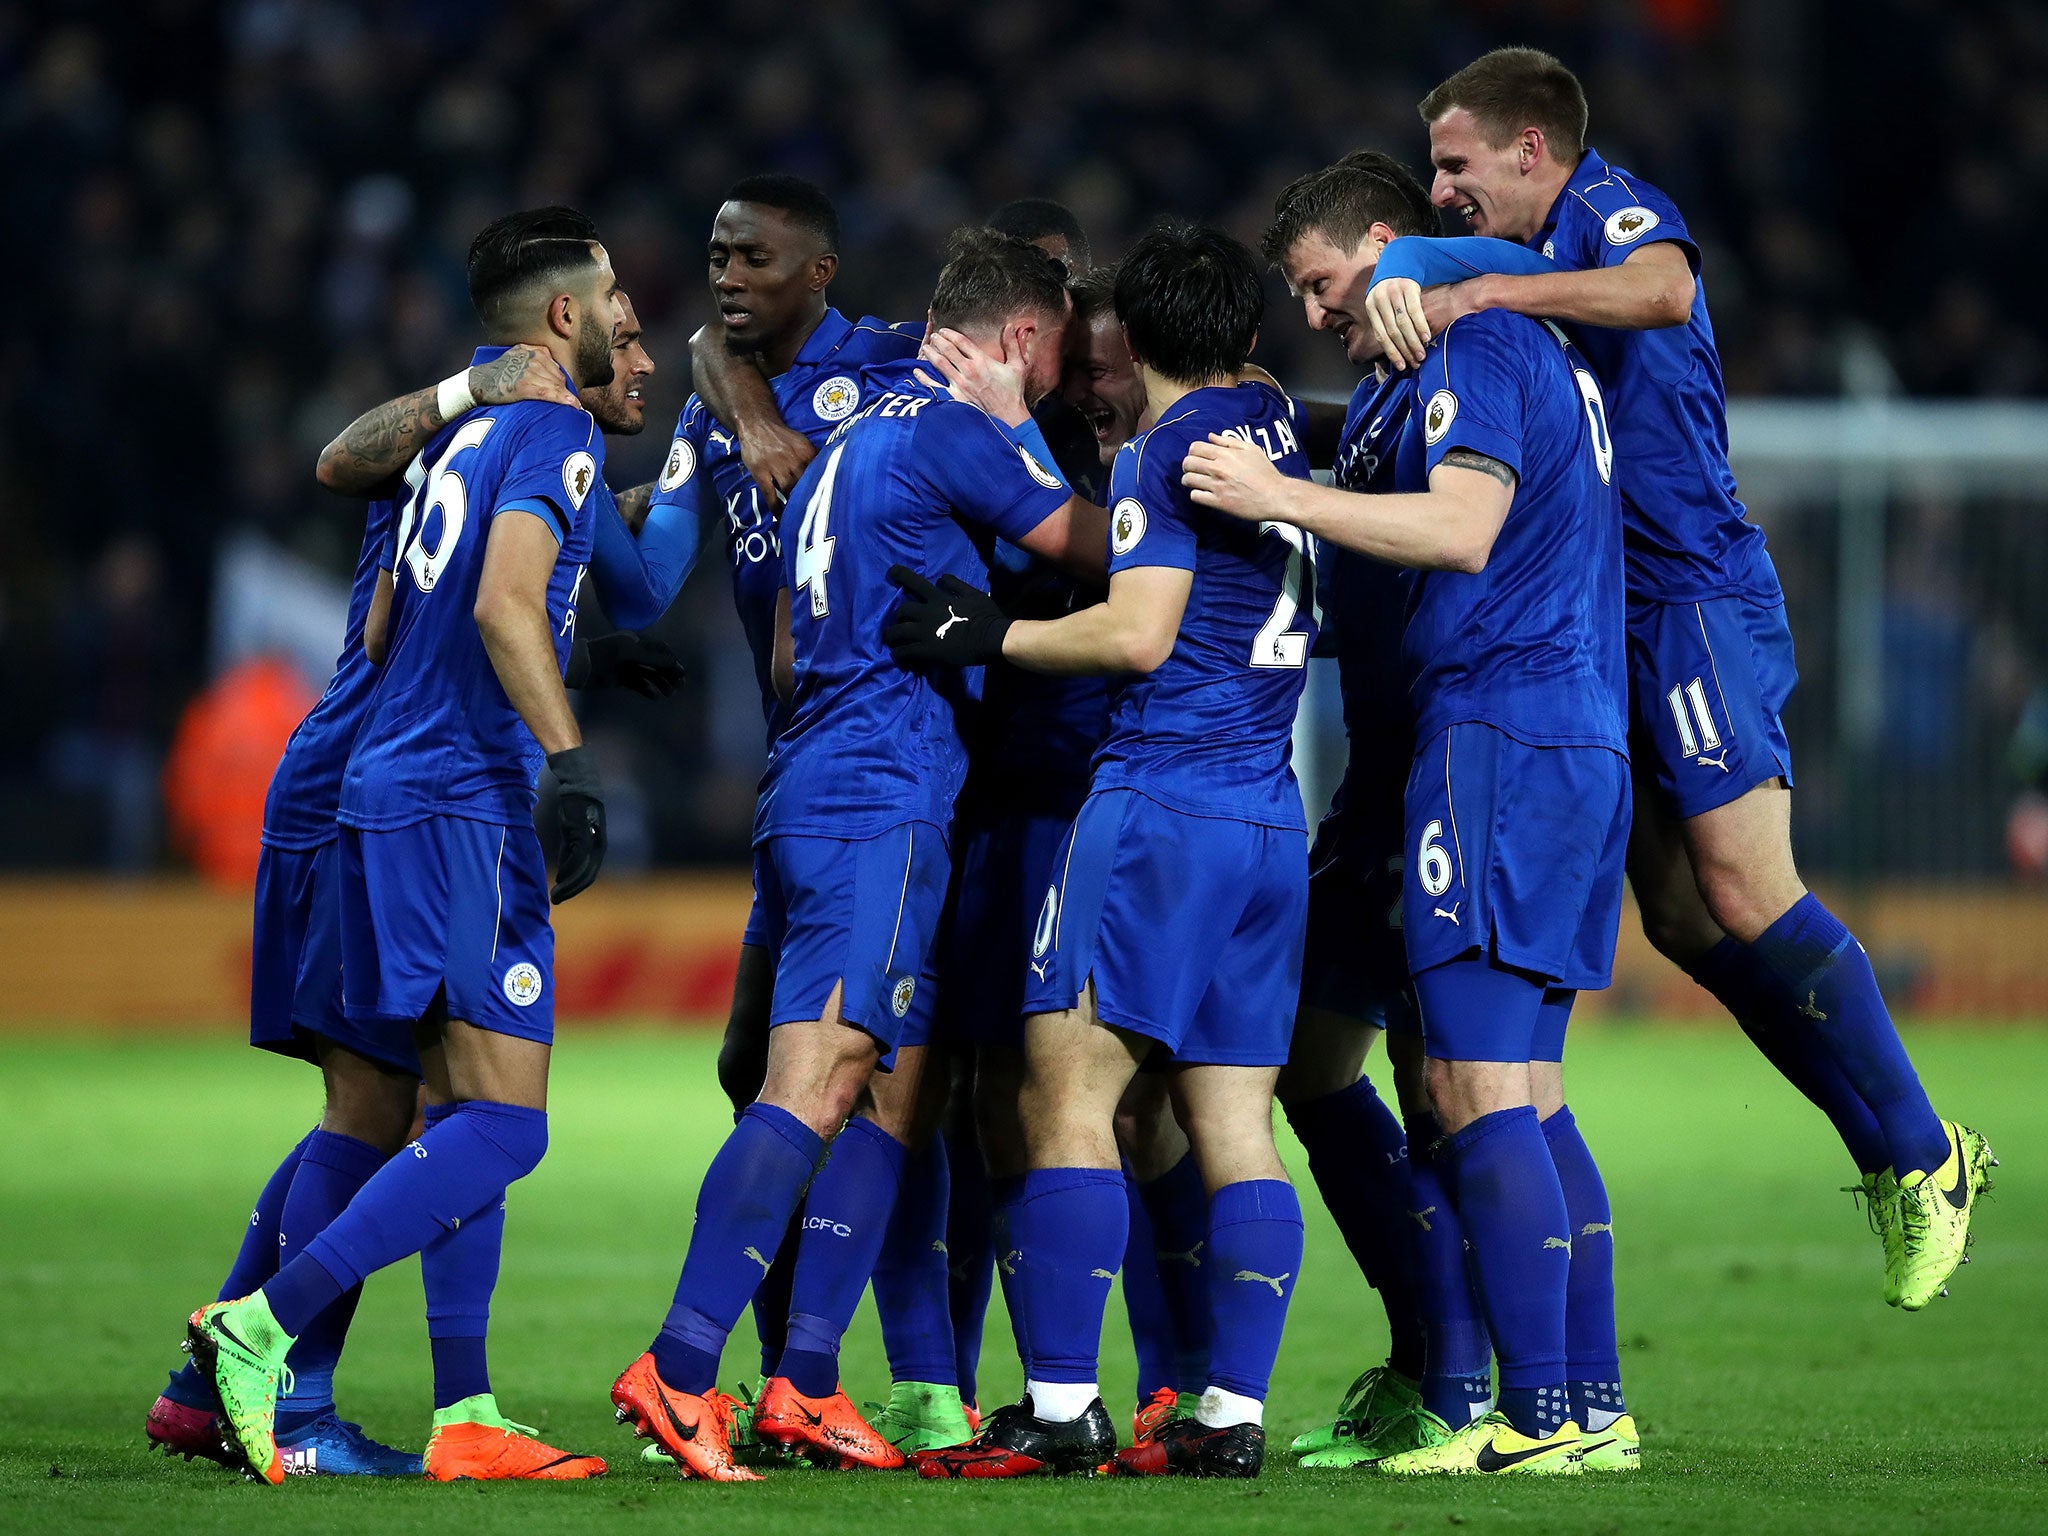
{"points": [[1775, 1390]]}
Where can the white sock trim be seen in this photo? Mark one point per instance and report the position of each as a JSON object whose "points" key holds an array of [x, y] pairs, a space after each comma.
{"points": [[1061, 1402], [1220, 1409]]}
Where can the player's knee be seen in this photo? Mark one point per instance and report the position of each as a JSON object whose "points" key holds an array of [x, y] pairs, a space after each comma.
{"points": [[367, 1102], [1745, 897], [1681, 929]]}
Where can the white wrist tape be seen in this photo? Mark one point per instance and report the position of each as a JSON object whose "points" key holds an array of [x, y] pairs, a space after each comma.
{"points": [[453, 396]]}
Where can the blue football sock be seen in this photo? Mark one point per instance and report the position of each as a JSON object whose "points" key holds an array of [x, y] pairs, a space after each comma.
{"points": [[1177, 1203], [1153, 1339], [749, 1192], [846, 1217], [451, 1173], [1512, 1207], [459, 1272], [1457, 1374], [770, 1304], [1255, 1237], [1738, 978], [1358, 1156], [970, 1259], [911, 1277], [1828, 978], [1592, 1358], [1068, 1229], [331, 1169], [255, 1262], [1003, 1196]]}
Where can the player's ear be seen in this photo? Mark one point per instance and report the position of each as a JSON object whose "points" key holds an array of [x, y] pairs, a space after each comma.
{"points": [[562, 315], [1530, 145], [823, 269]]}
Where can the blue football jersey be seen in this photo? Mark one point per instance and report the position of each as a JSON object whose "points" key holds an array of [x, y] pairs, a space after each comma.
{"points": [[1533, 643], [1210, 731], [1036, 726], [918, 479], [305, 792], [839, 368], [1687, 537], [1365, 600], [441, 737]]}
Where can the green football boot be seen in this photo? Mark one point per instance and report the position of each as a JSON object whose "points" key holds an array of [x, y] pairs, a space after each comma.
{"points": [[1934, 1216], [1617, 1448], [1878, 1193], [1492, 1447], [1410, 1428], [239, 1347], [1379, 1393], [920, 1416]]}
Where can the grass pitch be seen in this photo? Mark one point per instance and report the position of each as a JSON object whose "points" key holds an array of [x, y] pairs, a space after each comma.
{"points": [[1775, 1390]]}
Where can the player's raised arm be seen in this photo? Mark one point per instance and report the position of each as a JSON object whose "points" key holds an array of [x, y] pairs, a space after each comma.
{"points": [[374, 449]]}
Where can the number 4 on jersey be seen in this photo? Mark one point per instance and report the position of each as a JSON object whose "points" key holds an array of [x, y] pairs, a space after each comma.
{"points": [[814, 541]]}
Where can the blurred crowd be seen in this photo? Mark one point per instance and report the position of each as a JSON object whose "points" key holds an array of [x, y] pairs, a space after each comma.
{"points": [[237, 224]]}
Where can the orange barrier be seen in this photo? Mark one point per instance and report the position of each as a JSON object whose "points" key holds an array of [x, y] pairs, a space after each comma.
{"points": [[175, 953]]}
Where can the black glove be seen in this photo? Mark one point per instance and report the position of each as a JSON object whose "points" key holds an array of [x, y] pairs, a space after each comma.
{"points": [[579, 811], [625, 659], [950, 624]]}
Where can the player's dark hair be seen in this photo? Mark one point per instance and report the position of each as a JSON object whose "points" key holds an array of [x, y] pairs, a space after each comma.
{"points": [[1035, 218], [1191, 300], [523, 251], [802, 202], [1094, 293], [990, 276], [1342, 202], [1510, 89]]}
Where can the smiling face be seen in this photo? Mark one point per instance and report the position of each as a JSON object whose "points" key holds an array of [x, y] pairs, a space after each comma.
{"points": [[1331, 285], [1100, 381], [620, 407], [768, 274], [1491, 186]]}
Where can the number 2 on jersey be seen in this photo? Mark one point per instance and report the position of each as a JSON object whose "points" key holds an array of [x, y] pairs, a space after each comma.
{"points": [[444, 489], [1278, 643], [814, 541]]}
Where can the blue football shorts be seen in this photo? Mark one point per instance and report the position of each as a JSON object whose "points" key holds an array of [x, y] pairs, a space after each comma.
{"points": [[1475, 1009], [449, 909], [1354, 963], [1707, 684], [295, 961], [1515, 852], [1191, 927], [859, 911], [1009, 846]]}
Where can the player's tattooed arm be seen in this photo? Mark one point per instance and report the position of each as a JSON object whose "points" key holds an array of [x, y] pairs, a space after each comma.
{"points": [[735, 391], [374, 449], [633, 505], [1449, 527]]}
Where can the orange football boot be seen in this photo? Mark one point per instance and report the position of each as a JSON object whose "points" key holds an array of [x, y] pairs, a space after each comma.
{"points": [[696, 1431], [500, 1452], [1153, 1415], [827, 1430]]}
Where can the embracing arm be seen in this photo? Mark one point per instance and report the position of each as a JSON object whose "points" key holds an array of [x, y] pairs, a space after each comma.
{"points": [[737, 393], [1076, 537], [512, 615], [1449, 527], [1133, 631], [377, 445]]}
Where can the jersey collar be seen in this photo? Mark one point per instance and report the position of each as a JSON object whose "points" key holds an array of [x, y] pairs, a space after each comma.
{"points": [[1591, 171], [823, 341]]}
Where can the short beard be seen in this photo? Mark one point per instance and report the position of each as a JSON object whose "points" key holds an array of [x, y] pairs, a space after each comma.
{"points": [[593, 358]]}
